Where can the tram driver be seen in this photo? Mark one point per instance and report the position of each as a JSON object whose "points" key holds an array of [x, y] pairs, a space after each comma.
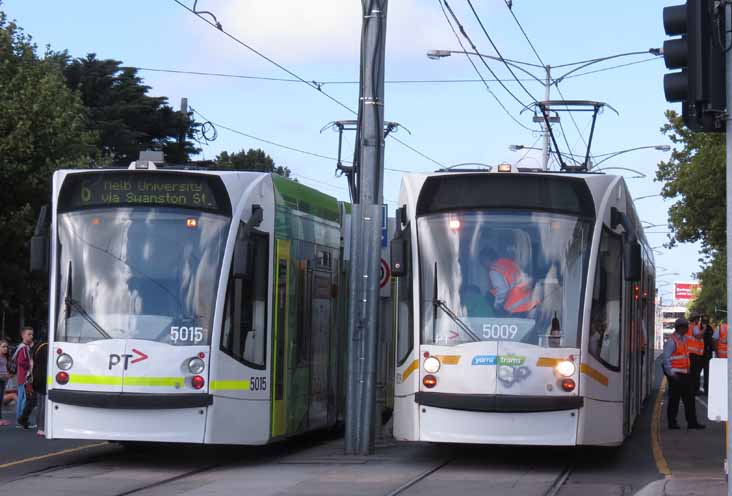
{"points": [[508, 284]]}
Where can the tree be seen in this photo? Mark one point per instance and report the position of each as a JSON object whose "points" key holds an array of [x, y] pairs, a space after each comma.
{"points": [[694, 176], [125, 118], [250, 160], [42, 127]]}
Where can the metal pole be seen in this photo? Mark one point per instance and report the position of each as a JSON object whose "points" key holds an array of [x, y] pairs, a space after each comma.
{"points": [[728, 117], [363, 305], [547, 97]]}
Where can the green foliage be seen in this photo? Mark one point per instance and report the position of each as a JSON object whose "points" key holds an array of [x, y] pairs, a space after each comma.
{"points": [[694, 177], [42, 127], [125, 118], [250, 160]]}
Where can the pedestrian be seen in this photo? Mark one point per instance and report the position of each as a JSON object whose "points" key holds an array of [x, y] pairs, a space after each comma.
{"points": [[37, 400], [708, 338], [677, 367], [24, 365], [695, 343], [4, 375], [720, 340]]}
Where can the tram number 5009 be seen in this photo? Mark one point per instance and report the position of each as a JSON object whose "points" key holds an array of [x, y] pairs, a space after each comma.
{"points": [[257, 383], [499, 331]]}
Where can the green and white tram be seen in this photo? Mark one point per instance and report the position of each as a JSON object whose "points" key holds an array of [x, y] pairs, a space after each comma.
{"points": [[523, 308], [191, 306]]}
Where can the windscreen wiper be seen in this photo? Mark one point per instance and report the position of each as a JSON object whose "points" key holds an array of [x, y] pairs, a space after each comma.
{"points": [[70, 303], [439, 304]]}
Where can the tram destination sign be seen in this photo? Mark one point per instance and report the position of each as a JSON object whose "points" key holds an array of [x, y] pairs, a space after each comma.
{"points": [[93, 190]]}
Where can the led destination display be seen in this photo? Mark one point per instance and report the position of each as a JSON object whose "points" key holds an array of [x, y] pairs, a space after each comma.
{"points": [[91, 190]]}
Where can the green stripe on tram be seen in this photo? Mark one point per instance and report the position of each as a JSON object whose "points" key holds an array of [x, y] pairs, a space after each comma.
{"points": [[101, 380], [305, 199]]}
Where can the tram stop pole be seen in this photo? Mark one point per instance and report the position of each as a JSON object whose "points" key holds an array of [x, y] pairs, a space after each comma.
{"points": [[728, 140], [363, 304]]}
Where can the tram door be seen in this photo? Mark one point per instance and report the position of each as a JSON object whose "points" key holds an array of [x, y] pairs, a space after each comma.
{"points": [[321, 312]]}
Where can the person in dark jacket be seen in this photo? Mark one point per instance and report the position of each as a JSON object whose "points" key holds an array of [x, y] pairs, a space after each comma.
{"points": [[38, 400], [709, 348]]}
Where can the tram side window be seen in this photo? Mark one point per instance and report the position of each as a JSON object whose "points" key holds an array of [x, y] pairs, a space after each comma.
{"points": [[245, 323], [606, 313], [405, 315]]}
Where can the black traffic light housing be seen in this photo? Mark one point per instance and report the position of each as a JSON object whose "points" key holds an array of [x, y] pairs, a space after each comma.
{"points": [[699, 53]]}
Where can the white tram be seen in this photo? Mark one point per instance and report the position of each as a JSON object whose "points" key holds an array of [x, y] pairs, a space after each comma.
{"points": [[191, 306], [523, 308]]}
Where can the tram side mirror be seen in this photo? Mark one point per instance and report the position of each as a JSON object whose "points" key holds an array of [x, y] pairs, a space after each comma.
{"points": [[632, 260], [39, 244], [398, 256]]}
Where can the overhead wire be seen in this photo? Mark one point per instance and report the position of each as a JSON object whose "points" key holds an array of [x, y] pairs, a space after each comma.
{"points": [[280, 145], [320, 83], [477, 71], [526, 36], [311, 84], [498, 52]]}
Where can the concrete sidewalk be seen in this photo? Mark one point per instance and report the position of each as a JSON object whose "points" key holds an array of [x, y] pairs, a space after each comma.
{"points": [[693, 460]]}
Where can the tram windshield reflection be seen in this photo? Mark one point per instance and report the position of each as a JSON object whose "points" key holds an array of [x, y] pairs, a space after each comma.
{"points": [[506, 276], [138, 273]]}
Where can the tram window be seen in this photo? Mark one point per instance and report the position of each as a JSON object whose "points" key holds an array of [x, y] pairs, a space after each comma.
{"points": [[245, 322], [404, 317], [606, 314]]}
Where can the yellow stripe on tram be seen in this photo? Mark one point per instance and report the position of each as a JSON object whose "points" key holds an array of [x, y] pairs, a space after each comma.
{"points": [[408, 371], [448, 359], [229, 385], [594, 373], [96, 380]]}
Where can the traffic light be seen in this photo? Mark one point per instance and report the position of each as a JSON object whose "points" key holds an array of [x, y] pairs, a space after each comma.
{"points": [[699, 54]]}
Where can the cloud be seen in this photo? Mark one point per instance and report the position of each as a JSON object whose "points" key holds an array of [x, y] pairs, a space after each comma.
{"points": [[329, 30]]}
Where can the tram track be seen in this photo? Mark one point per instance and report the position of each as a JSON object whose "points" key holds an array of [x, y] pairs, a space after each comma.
{"points": [[552, 490]]}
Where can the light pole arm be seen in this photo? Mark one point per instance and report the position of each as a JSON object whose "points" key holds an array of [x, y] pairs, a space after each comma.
{"points": [[586, 63], [615, 154], [513, 63]]}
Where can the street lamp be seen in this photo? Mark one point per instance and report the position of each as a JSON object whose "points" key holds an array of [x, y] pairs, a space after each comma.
{"points": [[547, 82]]}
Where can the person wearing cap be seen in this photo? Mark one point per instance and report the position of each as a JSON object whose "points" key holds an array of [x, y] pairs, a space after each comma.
{"points": [[695, 343], [677, 367]]}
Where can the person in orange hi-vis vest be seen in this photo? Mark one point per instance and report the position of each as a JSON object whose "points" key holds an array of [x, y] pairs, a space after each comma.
{"points": [[695, 343], [720, 340], [677, 367], [509, 285]]}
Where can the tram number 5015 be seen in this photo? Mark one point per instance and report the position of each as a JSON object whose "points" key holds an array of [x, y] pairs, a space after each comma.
{"points": [[499, 331], [257, 383]]}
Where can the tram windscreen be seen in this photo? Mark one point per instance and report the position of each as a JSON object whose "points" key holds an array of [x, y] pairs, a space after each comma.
{"points": [[138, 273], [502, 276]]}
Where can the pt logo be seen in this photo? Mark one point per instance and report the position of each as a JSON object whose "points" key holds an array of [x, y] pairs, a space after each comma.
{"points": [[115, 359]]}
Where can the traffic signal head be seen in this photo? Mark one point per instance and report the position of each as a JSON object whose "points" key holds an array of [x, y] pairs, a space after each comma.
{"points": [[699, 56]]}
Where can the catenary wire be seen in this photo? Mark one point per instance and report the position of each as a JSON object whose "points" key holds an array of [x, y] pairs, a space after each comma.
{"points": [[477, 71], [461, 28], [538, 57], [313, 85], [280, 145], [322, 83], [612, 67], [498, 52]]}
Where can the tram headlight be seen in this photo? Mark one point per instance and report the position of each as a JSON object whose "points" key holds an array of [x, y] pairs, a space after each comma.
{"points": [[196, 365], [64, 361], [431, 365], [62, 378], [565, 368], [197, 382], [429, 381]]}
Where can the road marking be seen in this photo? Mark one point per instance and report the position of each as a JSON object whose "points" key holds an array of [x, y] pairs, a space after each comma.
{"points": [[51, 455], [661, 463]]}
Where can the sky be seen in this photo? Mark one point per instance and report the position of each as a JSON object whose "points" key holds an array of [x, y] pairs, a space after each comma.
{"points": [[449, 122]]}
